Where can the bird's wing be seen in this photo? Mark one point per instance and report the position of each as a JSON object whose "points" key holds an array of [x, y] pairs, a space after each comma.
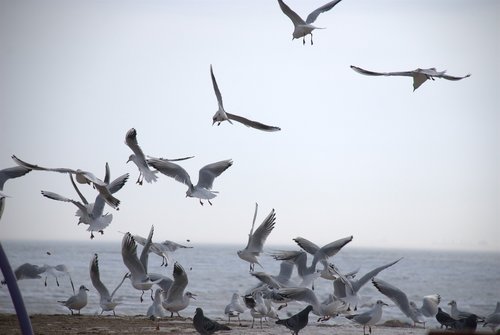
{"points": [[326, 7], [163, 281], [55, 196], [256, 242], [171, 170], [118, 286], [395, 294], [129, 255], [446, 76], [95, 277], [209, 172], [118, 183], [307, 245], [330, 250], [180, 282], [131, 141], [84, 200], [145, 250], [430, 305], [252, 124], [216, 88], [173, 246], [299, 294], [296, 19], [372, 73], [12, 172], [357, 284], [266, 279], [286, 255], [40, 168]]}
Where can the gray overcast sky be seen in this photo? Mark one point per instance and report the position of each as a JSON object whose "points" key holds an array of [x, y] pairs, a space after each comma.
{"points": [[357, 155]]}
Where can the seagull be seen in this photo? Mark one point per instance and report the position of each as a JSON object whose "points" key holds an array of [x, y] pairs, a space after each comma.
{"points": [[221, 115], [409, 308], [203, 189], [82, 177], [156, 309], [234, 308], [92, 214], [257, 239], [370, 317], [493, 320], [261, 308], [303, 28], [176, 299], [138, 267], [298, 321], [204, 325], [163, 249], [322, 254], [327, 308], [78, 301], [458, 314], [419, 76], [106, 300], [27, 271], [6, 174], [347, 289], [139, 159], [57, 271]]}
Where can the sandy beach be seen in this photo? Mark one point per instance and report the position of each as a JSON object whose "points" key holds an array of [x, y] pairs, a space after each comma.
{"points": [[89, 324]]}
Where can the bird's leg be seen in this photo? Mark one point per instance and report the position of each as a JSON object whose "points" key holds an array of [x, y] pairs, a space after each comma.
{"points": [[141, 296], [201, 202], [152, 298], [303, 40], [209, 202], [370, 329], [91, 235], [312, 39], [57, 282], [101, 231]]}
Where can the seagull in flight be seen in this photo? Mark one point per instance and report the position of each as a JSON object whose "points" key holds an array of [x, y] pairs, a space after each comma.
{"points": [[139, 159], [303, 28], [6, 174], [256, 239], [419, 76], [203, 189], [82, 177], [221, 115]]}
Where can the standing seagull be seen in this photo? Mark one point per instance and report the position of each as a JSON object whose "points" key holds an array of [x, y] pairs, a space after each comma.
{"points": [[106, 300], [203, 189], [234, 308], [429, 303], [303, 28], [419, 76], [222, 115], [83, 177], [204, 325], [6, 174], [298, 321], [78, 301], [256, 239], [370, 317], [139, 159], [176, 299]]}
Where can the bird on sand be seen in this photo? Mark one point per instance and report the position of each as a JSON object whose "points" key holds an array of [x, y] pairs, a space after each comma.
{"points": [[206, 326], [370, 317], [203, 189], [78, 301], [234, 308], [257, 238], [298, 321], [221, 114], [303, 28], [139, 159], [419, 76], [176, 299]]}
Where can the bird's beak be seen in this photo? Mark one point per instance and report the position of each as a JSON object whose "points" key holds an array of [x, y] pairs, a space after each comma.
{"points": [[193, 296], [385, 304]]}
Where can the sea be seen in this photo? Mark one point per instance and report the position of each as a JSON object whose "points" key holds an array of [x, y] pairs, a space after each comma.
{"points": [[215, 272]]}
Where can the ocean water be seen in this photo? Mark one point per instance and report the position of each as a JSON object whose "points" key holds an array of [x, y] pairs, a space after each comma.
{"points": [[215, 272]]}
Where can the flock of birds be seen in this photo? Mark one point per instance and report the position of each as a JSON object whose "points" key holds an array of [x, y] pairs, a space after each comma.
{"points": [[171, 296]]}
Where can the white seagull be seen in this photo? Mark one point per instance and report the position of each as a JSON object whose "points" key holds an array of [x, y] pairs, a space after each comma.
{"points": [[257, 239], [139, 159], [370, 317], [234, 308], [303, 28], [106, 300], [82, 177], [77, 301], [321, 254], [138, 267], [163, 249], [176, 299], [429, 306], [156, 309], [203, 189], [221, 115], [419, 76]]}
